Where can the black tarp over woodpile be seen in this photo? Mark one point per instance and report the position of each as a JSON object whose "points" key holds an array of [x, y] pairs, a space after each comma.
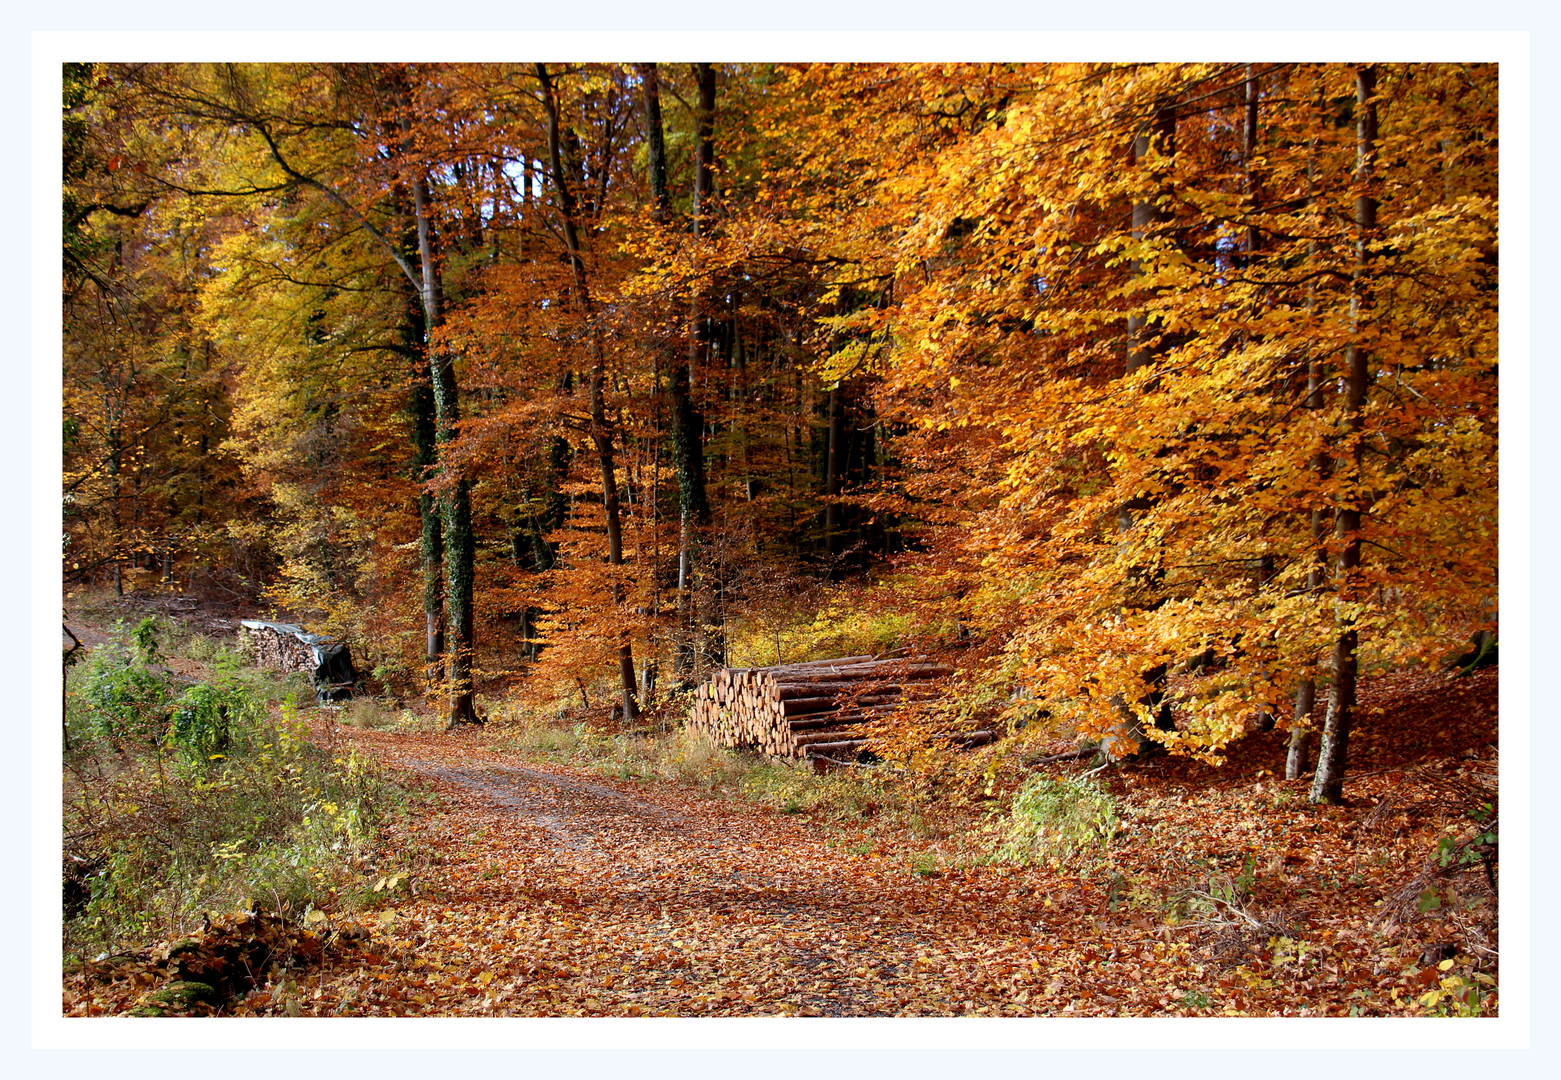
{"points": [[286, 647]]}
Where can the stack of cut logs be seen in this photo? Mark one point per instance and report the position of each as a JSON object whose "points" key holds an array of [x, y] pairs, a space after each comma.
{"points": [[279, 646], [812, 709]]}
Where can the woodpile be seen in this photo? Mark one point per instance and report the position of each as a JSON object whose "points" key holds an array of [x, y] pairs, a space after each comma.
{"points": [[280, 646], [815, 709]]}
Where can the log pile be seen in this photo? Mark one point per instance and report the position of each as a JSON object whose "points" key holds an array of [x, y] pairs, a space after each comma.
{"points": [[815, 709], [280, 646]]}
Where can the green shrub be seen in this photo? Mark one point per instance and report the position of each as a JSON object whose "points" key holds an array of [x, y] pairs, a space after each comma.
{"points": [[245, 812], [124, 698], [1057, 819], [209, 716]]}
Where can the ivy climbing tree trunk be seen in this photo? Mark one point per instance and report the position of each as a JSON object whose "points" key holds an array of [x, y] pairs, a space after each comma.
{"points": [[431, 544], [455, 508], [1328, 784]]}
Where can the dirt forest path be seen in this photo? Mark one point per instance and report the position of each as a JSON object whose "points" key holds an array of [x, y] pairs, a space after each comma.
{"points": [[546, 890], [556, 892]]}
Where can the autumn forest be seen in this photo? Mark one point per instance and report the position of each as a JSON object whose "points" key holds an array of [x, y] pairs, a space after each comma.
{"points": [[1107, 419]]}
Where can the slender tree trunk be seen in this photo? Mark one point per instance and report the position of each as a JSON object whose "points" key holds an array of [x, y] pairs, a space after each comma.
{"points": [[655, 142], [832, 479], [1159, 136], [1300, 729], [693, 512], [685, 448], [425, 459], [1249, 244], [455, 512], [1249, 134], [688, 425], [601, 429], [431, 545], [1328, 784], [1306, 695], [704, 158]]}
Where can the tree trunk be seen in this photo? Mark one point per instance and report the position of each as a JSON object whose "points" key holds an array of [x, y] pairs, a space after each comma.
{"points": [[1300, 729], [1303, 722], [601, 429], [693, 509], [431, 545], [1160, 135], [1249, 134], [655, 143], [704, 157], [835, 461], [688, 425], [455, 511], [1328, 784], [686, 449]]}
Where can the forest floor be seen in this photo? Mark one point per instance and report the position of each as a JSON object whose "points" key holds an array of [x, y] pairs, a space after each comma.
{"points": [[544, 888]]}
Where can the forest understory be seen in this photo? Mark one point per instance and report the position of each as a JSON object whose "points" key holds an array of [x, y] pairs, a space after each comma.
{"points": [[549, 870]]}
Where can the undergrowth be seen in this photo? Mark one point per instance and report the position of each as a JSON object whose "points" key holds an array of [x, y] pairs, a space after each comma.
{"points": [[864, 809], [1055, 820], [184, 797]]}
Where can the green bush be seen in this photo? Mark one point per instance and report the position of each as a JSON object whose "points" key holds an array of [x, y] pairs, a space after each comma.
{"points": [[209, 716], [1057, 819], [244, 812], [124, 697]]}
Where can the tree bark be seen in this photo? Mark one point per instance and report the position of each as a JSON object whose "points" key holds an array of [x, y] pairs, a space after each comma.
{"points": [[704, 157], [655, 142], [1332, 754], [1249, 133], [1304, 722], [1159, 135], [1300, 729], [431, 543], [455, 511], [686, 451]]}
